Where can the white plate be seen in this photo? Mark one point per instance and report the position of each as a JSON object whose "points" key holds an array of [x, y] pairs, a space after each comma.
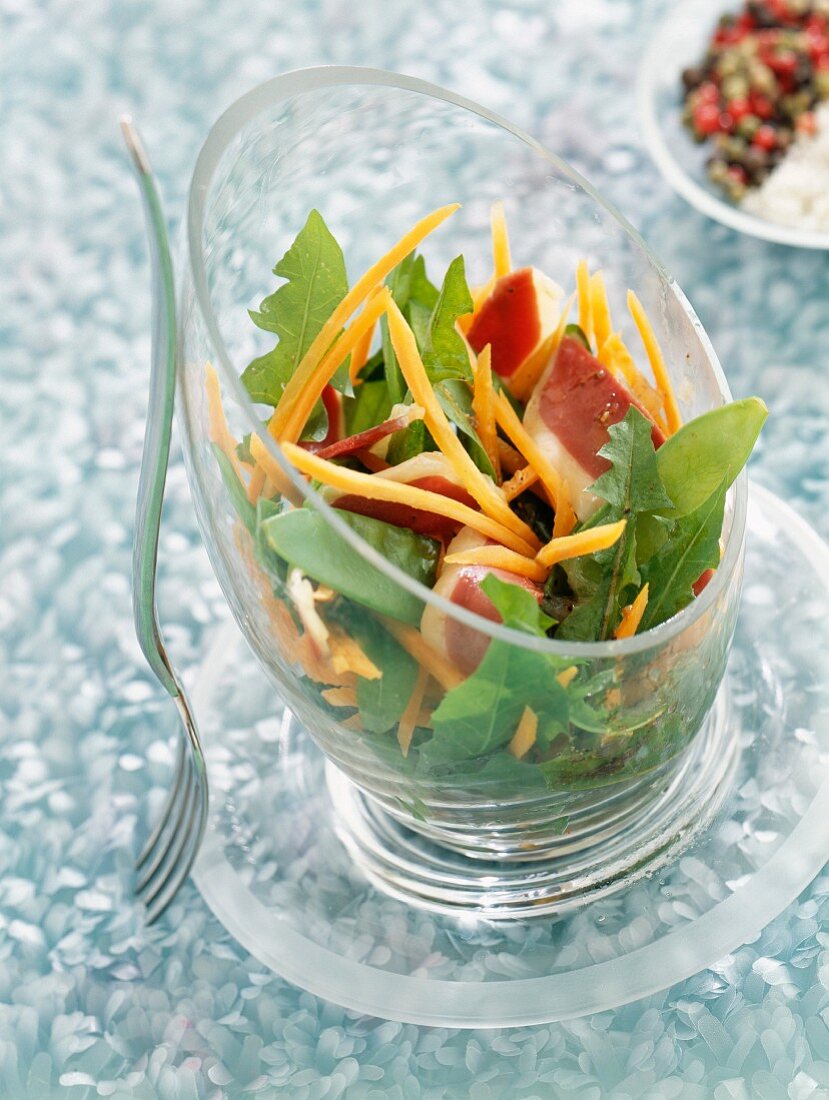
{"points": [[679, 42]]}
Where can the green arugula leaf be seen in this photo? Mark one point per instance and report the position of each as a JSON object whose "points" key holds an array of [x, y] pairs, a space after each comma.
{"points": [[243, 450], [577, 333], [399, 282], [632, 483], [369, 406], [304, 538], [423, 296], [603, 581], [409, 442], [707, 450], [262, 550], [480, 715], [691, 547], [316, 282], [455, 398], [444, 350], [382, 702], [518, 608], [236, 490]]}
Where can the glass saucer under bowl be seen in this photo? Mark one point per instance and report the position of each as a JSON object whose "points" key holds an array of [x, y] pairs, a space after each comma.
{"points": [[275, 871], [679, 42]]}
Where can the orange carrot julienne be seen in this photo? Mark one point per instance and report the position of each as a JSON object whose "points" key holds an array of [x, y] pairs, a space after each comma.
{"points": [[585, 542], [632, 615], [377, 487], [348, 306]]}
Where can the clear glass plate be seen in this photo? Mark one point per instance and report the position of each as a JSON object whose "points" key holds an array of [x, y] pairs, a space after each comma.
{"points": [[276, 874], [678, 42]]}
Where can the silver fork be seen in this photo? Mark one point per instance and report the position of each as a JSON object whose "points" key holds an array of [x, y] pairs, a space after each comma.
{"points": [[166, 858]]}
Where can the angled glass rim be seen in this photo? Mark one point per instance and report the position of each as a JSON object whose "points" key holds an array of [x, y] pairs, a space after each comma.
{"points": [[318, 78]]}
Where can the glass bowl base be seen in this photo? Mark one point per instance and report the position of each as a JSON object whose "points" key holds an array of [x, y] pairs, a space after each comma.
{"points": [[632, 834], [274, 869]]}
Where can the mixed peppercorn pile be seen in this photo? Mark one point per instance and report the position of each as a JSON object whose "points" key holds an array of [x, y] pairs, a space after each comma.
{"points": [[765, 70]]}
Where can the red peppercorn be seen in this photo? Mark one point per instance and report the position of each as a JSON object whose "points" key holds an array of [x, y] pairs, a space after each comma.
{"points": [[784, 62], [726, 122], [818, 47], [761, 106], [737, 173], [708, 92], [738, 107], [706, 118], [765, 138]]}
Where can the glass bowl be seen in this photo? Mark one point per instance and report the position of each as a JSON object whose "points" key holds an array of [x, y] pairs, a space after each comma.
{"points": [[629, 755], [678, 42]]}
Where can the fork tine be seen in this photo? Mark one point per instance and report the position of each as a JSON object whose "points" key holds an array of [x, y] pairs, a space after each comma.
{"points": [[177, 865], [169, 803], [172, 826], [185, 861]]}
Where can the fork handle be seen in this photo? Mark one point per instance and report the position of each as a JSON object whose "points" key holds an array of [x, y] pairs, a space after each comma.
{"points": [[156, 454]]}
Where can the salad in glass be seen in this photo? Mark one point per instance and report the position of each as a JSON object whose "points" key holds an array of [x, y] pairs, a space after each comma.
{"points": [[503, 446]]}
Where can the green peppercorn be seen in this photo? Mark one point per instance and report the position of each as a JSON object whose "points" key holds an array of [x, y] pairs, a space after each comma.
{"points": [[735, 87], [748, 126]]}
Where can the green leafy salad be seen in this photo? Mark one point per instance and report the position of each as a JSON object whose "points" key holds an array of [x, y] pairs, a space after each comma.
{"points": [[510, 457]]}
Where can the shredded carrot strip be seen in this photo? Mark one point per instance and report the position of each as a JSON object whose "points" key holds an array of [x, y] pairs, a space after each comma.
{"points": [[436, 664], [285, 634], [501, 258], [525, 734], [615, 356], [269, 468], [476, 483], [500, 558], [583, 288], [599, 309], [340, 696], [303, 403], [567, 675], [349, 305], [257, 482], [484, 408], [585, 542], [511, 461], [409, 717], [347, 655], [632, 615], [524, 380], [376, 487], [219, 431], [362, 349], [657, 362], [520, 480], [565, 519]]}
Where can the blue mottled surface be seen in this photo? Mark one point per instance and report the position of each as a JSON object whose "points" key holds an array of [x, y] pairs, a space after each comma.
{"points": [[91, 1004]]}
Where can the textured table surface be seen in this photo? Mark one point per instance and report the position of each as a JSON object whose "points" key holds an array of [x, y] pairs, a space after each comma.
{"points": [[90, 1002]]}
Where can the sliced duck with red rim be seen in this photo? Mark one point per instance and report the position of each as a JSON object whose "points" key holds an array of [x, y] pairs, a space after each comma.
{"points": [[568, 416], [430, 470], [520, 313], [462, 645]]}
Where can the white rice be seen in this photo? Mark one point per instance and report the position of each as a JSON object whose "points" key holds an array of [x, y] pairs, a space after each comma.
{"points": [[796, 193]]}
